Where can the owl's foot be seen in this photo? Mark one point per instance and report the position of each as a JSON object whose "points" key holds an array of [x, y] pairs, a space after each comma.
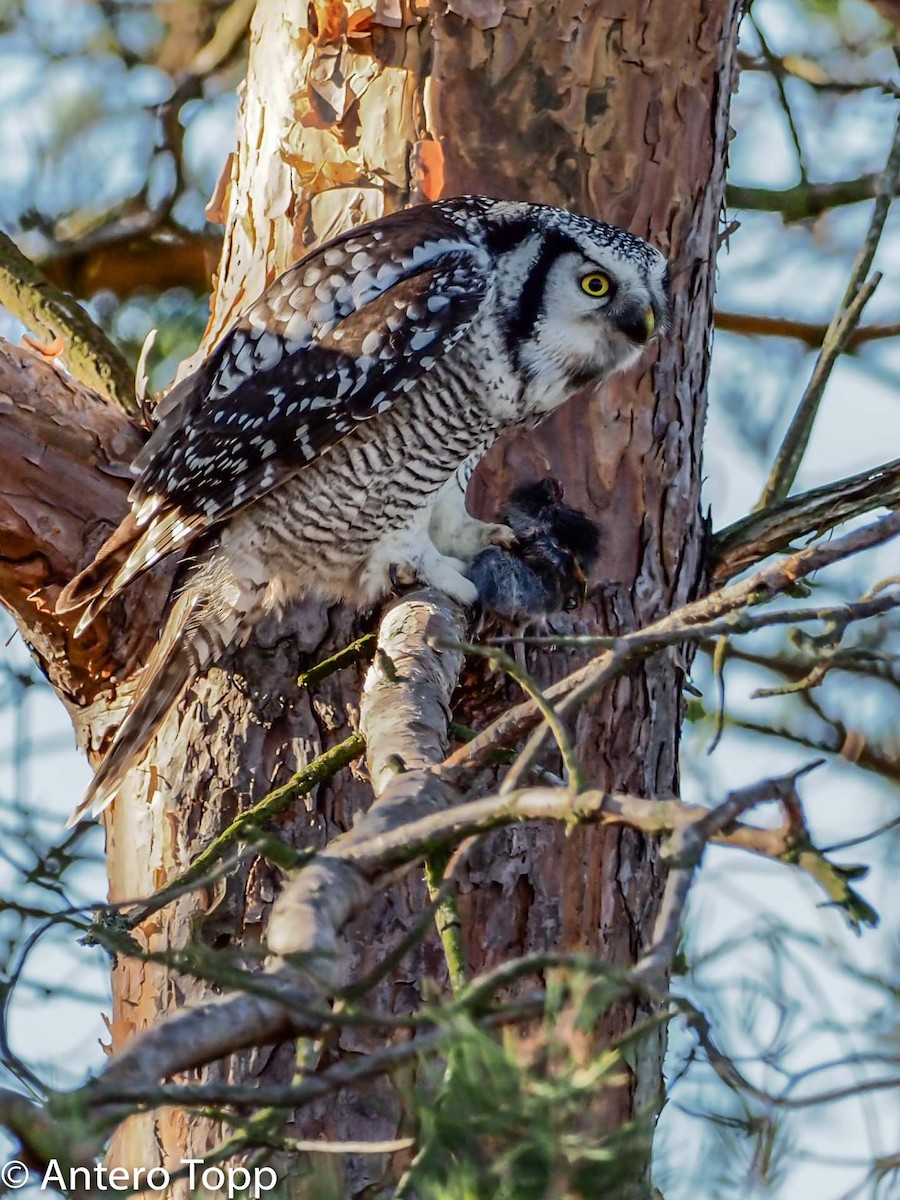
{"points": [[402, 575], [467, 538], [408, 557], [500, 535], [446, 574], [438, 571]]}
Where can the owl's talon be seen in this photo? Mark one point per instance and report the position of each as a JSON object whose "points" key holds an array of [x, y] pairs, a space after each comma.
{"points": [[446, 574], [402, 575], [461, 536], [501, 535]]}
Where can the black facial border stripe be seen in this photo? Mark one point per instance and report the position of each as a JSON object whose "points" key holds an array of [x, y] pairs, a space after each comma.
{"points": [[524, 318]]}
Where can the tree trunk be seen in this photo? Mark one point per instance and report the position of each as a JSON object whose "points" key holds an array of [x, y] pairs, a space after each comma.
{"points": [[607, 109]]}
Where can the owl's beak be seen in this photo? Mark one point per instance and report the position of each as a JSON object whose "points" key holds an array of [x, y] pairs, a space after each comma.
{"points": [[638, 323]]}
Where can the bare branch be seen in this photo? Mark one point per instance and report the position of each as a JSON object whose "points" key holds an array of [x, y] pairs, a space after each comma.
{"points": [[115, 1091], [405, 716], [314, 907], [809, 332], [298, 1146], [737, 623], [201, 1034], [132, 254], [684, 852], [793, 447], [415, 816], [859, 289], [420, 835], [857, 660], [808, 71], [728, 1072], [412, 820], [528, 685], [42, 1136], [833, 738], [404, 711], [762, 533], [778, 80], [228, 34], [800, 203]]}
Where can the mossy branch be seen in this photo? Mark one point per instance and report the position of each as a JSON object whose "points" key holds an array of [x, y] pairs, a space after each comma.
{"points": [[362, 648], [89, 354]]}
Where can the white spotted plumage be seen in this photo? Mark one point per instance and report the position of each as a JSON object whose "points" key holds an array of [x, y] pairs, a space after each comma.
{"points": [[325, 443]]}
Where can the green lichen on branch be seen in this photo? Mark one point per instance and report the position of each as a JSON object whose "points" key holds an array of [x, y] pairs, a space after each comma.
{"points": [[835, 878], [50, 313], [447, 920], [362, 648]]}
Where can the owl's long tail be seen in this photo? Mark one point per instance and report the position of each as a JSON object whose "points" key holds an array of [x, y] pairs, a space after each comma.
{"points": [[128, 552], [93, 588], [187, 646]]}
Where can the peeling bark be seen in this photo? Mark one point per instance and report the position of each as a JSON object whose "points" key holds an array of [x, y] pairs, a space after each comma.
{"points": [[64, 455]]}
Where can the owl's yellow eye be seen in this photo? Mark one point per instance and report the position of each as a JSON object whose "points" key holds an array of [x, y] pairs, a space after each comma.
{"points": [[596, 284]]}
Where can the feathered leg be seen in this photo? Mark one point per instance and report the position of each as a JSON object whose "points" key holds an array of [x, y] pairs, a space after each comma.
{"points": [[451, 528]]}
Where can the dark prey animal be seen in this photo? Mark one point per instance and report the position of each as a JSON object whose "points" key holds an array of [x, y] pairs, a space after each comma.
{"points": [[546, 571]]}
